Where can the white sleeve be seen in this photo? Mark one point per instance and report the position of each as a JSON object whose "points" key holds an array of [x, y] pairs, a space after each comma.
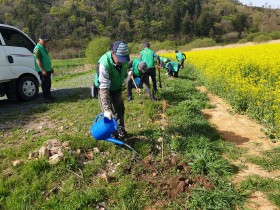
{"points": [[103, 77]]}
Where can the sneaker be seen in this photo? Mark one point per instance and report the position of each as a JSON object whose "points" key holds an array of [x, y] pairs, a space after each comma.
{"points": [[115, 135], [122, 133]]}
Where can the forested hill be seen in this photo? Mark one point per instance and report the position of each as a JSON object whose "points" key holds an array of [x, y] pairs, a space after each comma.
{"points": [[73, 23]]}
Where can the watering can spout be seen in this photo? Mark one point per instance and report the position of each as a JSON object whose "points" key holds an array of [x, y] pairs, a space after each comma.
{"points": [[115, 141]]}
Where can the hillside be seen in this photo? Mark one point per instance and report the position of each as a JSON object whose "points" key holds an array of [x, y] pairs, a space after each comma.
{"points": [[73, 23]]}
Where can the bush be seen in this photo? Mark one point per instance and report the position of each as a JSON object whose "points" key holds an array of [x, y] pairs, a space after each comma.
{"points": [[262, 38], [136, 47], [241, 41], [231, 37], [168, 45], [251, 37], [198, 43], [96, 48], [133, 48], [275, 35]]}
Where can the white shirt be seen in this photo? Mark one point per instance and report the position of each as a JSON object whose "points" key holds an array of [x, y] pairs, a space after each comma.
{"points": [[104, 77]]}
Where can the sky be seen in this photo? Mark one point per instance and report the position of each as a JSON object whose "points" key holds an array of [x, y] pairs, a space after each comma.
{"points": [[260, 3]]}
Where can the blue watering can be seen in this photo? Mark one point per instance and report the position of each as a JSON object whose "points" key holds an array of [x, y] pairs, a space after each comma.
{"points": [[103, 128], [137, 82]]}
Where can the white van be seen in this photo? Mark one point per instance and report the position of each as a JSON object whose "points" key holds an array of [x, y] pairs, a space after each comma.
{"points": [[18, 78]]}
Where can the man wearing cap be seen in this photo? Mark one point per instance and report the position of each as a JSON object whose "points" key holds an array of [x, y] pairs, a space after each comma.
{"points": [[43, 66], [138, 70], [111, 72], [148, 55]]}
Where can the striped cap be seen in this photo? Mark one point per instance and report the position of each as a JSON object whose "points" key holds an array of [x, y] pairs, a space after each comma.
{"points": [[121, 50]]}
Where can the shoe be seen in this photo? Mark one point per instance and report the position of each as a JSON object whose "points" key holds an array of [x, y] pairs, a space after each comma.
{"points": [[129, 98], [122, 133], [52, 97], [115, 135]]}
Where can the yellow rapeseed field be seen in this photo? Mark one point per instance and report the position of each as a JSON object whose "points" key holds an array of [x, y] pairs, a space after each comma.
{"points": [[248, 77]]}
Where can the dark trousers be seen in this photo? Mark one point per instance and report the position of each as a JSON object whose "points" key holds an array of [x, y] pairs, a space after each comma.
{"points": [[46, 84], [171, 72], [117, 106], [181, 64], [152, 73], [130, 84]]}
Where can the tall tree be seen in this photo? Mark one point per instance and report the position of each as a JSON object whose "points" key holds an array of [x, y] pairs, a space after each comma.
{"points": [[240, 22]]}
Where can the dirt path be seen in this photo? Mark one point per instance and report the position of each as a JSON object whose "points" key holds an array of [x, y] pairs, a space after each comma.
{"points": [[244, 133]]}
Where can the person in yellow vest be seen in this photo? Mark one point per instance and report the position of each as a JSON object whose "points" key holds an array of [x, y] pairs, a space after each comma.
{"points": [[43, 66], [109, 78]]}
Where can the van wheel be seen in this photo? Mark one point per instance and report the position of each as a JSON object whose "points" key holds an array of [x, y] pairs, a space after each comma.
{"points": [[27, 88]]}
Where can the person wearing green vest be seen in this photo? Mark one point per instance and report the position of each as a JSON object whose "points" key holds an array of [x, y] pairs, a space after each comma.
{"points": [[43, 66], [172, 68], [163, 61], [148, 55], [138, 71], [111, 72], [181, 57]]}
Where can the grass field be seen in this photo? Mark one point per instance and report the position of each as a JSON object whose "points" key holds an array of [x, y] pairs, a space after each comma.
{"points": [[180, 164]]}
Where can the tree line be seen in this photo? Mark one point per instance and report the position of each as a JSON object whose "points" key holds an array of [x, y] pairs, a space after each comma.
{"points": [[73, 23]]}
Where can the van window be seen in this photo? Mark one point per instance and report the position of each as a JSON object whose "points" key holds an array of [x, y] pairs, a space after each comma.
{"points": [[17, 39]]}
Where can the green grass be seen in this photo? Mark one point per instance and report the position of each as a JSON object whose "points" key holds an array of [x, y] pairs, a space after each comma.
{"points": [[135, 183], [222, 197], [62, 67], [271, 187], [270, 160]]}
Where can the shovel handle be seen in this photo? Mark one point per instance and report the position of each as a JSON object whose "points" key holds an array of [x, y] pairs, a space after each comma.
{"points": [[134, 82]]}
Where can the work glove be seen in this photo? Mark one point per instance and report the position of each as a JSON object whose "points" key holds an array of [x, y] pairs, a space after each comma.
{"points": [[108, 114], [138, 90], [130, 73]]}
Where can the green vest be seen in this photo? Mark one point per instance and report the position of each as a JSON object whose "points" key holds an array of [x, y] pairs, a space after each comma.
{"points": [[148, 57], [179, 56], [164, 59], [135, 70], [174, 66], [116, 77], [46, 60]]}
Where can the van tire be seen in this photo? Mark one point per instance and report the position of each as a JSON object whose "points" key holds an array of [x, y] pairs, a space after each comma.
{"points": [[27, 88]]}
